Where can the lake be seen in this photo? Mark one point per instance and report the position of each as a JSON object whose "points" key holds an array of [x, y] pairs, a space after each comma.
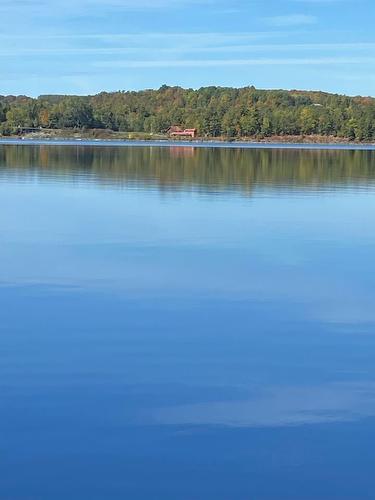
{"points": [[183, 323]]}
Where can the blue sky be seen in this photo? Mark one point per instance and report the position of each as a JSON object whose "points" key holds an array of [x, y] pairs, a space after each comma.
{"points": [[85, 46]]}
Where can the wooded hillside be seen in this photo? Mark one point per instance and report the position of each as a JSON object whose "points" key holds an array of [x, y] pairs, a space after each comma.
{"points": [[213, 111]]}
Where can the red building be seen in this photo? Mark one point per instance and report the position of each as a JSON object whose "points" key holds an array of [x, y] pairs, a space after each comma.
{"points": [[180, 132]]}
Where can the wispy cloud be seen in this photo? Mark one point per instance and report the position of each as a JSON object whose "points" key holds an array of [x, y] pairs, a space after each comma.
{"points": [[48, 7], [204, 63], [151, 36], [291, 20], [321, 1], [183, 48]]}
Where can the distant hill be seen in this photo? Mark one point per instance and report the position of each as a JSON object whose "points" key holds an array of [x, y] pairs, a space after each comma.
{"points": [[213, 111]]}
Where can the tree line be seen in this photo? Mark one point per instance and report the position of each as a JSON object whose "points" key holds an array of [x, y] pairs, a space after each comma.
{"points": [[213, 111]]}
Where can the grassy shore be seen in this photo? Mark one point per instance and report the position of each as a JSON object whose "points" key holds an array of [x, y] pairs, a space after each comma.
{"points": [[100, 134]]}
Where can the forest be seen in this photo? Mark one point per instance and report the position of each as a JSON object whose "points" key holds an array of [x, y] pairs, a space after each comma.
{"points": [[213, 111]]}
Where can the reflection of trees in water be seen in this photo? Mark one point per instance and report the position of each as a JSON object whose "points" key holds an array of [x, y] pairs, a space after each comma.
{"points": [[204, 168]]}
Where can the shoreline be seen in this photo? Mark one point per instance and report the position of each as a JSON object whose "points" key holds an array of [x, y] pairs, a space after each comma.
{"points": [[192, 144]]}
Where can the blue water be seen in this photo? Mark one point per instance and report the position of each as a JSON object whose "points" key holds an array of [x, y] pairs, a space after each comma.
{"points": [[186, 324]]}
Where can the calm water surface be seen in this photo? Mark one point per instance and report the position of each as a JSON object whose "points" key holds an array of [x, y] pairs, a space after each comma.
{"points": [[186, 324]]}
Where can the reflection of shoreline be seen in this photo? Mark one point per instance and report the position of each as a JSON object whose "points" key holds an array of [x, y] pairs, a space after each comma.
{"points": [[344, 145], [178, 167]]}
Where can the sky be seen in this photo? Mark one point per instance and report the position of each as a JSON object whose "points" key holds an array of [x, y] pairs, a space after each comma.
{"points": [[87, 46]]}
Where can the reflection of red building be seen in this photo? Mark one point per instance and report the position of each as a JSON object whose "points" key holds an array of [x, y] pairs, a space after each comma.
{"points": [[182, 152], [180, 132]]}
